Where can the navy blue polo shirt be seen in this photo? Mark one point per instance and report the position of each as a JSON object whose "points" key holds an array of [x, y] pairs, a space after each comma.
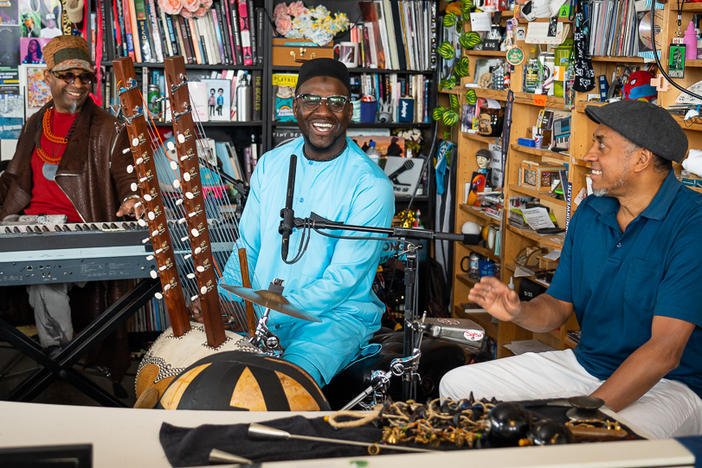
{"points": [[617, 281]]}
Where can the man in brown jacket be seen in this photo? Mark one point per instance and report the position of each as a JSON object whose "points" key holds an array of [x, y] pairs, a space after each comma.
{"points": [[70, 161]]}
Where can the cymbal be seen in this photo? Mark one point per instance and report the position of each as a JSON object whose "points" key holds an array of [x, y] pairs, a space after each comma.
{"points": [[271, 301]]}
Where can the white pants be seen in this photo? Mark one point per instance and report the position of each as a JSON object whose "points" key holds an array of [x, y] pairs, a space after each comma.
{"points": [[52, 313], [669, 409]]}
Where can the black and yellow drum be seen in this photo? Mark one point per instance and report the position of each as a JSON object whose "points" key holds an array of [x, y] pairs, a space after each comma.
{"points": [[241, 381]]}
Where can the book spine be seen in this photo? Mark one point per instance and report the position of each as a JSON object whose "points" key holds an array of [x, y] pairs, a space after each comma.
{"points": [[235, 32], [108, 25], [219, 37], [222, 32], [119, 24], [252, 33], [433, 59], [245, 32], [260, 25], [257, 90], [135, 32], [194, 36], [230, 30], [158, 38], [128, 30], [142, 28], [213, 39], [173, 38], [183, 38]]}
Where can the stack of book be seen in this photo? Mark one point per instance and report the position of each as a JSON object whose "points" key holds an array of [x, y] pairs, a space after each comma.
{"points": [[228, 33]]}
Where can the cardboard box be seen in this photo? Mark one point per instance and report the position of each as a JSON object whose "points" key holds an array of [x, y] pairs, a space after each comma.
{"points": [[537, 176], [295, 52]]}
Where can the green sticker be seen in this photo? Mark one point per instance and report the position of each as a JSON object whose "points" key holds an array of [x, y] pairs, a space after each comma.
{"points": [[515, 56]]}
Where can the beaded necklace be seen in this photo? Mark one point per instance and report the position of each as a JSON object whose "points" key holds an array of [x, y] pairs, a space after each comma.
{"points": [[49, 135]]}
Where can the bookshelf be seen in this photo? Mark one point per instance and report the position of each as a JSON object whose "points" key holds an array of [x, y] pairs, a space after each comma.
{"points": [[525, 111]]}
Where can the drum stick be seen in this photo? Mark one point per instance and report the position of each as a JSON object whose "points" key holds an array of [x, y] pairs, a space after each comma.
{"points": [[259, 431], [246, 282]]}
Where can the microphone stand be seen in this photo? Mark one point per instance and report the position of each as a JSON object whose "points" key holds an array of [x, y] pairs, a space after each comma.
{"points": [[410, 345]]}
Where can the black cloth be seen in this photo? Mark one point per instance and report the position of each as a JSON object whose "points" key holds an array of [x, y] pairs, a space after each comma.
{"points": [[324, 67], [584, 79], [191, 446]]}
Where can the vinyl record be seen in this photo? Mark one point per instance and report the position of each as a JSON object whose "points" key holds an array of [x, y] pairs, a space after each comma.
{"points": [[645, 30]]}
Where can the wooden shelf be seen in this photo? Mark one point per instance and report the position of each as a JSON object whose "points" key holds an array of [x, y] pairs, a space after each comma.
{"points": [[465, 279], [690, 124], [541, 153], [218, 123], [543, 20], [554, 241], [487, 53], [480, 250], [478, 213], [496, 94], [512, 267], [581, 105], [379, 71], [694, 7], [476, 137], [551, 102], [619, 59], [535, 193], [693, 63]]}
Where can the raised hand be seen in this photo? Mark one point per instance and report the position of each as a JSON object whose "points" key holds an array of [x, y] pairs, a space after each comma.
{"points": [[496, 297]]}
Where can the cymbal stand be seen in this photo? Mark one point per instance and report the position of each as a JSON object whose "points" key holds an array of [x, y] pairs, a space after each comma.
{"points": [[264, 338]]}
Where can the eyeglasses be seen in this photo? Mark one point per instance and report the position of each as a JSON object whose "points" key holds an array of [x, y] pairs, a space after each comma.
{"points": [[69, 77], [311, 101]]}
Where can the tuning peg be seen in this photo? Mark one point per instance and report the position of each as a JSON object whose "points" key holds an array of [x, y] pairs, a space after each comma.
{"points": [[130, 169], [181, 220], [158, 251], [179, 202], [134, 187], [176, 183], [195, 232], [151, 215], [203, 290], [167, 287], [154, 233], [170, 146], [143, 179], [149, 258], [189, 195], [137, 204], [181, 138], [192, 213], [163, 267], [135, 141], [144, 241], [194, 298], [153, 274], [183, 239], [148, 197], [190, 275], [197, 250], [187, 256], [186, 176], [158, 296], [200, 268], [141, 222], [126, 150], [174, 165]]}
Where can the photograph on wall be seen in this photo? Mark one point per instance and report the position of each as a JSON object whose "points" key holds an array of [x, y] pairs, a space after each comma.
{"points": [[385, 145], [50, 12], [30, 17], [9, 46], [32, 49], [36, 91], [218, 99], [9, 14]]}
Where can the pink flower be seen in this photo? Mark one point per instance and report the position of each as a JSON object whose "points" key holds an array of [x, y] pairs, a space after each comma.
{"points": [[190, 5], [185, 13], [170, 7], [205, 3], [297, 9], [280, 10], [283, 25], [202, 11]]}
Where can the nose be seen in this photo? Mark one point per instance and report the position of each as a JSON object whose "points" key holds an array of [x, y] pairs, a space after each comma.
{"points": [[590, 155]]}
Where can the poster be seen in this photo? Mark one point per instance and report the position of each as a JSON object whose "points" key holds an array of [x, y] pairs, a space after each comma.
{"points": [[218, 99], [36, 90]]}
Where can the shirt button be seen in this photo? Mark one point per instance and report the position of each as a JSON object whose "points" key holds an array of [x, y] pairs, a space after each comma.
{"points": [[619, 244], [302, 200]]}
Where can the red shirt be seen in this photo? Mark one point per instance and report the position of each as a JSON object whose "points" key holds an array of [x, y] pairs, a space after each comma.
{"points": [[47, 196]]}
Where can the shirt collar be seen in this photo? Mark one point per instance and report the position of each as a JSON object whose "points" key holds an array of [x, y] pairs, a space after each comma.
{"points": [[658, 207]]}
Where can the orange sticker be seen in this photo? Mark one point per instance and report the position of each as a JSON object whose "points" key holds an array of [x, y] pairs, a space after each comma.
{"points": [[540, 100]]}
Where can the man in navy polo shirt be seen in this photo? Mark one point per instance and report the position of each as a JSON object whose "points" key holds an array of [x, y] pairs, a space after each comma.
{"points": [[631, 271]]}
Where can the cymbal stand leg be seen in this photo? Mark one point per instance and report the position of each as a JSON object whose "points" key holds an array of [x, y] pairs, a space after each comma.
{"points": [[265, 339]]}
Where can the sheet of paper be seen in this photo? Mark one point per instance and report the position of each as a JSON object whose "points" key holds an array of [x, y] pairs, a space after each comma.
{"points": [[553, 255], [528, 346], [480, 21], [537, 218]]}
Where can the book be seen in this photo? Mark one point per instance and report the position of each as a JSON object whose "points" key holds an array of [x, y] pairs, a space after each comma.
{"points": [[173, 48], [245, 33], [136, 46], [157, 38], [183, 41], [234, 15], [143, 30], [257, 89], [370, 17], [224, 28], [260, 25], [199, 100], [218, 99], [194, 38], [218, 36], [253, 26]]}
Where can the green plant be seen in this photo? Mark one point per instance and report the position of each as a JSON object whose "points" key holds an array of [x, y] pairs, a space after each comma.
{"points": [[457, 13]]}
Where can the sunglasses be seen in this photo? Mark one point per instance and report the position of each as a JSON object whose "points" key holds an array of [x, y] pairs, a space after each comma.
{"points": [[311, 101], [69, 77]]}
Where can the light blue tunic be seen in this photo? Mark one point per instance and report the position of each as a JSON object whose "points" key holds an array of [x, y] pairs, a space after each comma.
{"points": [[334, 277]]}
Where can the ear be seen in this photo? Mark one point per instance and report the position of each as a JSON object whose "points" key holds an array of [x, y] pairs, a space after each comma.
{"points": [[643, 159], [47, 76]]}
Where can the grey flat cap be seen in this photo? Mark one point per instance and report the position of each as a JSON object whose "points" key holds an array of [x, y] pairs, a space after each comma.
{"points": [[648, 125]]}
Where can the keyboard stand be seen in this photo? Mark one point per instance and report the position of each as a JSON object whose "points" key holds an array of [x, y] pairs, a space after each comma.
{"points": [[61, 365]]}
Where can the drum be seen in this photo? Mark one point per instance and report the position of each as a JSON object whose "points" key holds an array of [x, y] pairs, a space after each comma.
{"points": [[170, 355], [238, 380]]}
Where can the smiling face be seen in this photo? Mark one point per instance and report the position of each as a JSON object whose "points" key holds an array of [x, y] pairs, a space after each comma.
{"points": [[610, 158], [68, 98], [324, 131]]}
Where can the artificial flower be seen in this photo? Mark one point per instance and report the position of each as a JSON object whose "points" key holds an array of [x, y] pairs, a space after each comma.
{"points": [[170, 7]]}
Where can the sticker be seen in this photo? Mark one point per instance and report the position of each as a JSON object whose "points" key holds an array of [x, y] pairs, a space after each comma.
{"points": [[473, 335], [49, 171], [540, 100], [515, 56]]}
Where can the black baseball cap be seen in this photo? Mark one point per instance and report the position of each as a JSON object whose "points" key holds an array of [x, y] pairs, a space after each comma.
{"points": [[324, 67], [645, 124]]}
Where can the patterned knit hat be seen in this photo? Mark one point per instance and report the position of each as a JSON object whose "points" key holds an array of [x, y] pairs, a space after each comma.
{"points": [[66, 52]]}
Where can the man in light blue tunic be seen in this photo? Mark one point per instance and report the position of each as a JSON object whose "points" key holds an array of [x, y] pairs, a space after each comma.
{"points": [[337, 181]]}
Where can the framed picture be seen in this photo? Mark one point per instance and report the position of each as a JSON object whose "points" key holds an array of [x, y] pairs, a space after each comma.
{"points": [[218, 99], [36, 90], [676, 61]]}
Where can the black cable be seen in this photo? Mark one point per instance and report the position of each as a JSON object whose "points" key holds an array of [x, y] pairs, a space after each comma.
{"points": [[655, 53]]}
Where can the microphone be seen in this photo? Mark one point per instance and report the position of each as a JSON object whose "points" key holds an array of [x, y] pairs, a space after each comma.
{"points": [[287, 215], [462, 331], [406, 166]]}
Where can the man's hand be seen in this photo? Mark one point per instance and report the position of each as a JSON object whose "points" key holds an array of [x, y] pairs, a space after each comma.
{"points": [[496, 297], [131, 207], [196, 310]]}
